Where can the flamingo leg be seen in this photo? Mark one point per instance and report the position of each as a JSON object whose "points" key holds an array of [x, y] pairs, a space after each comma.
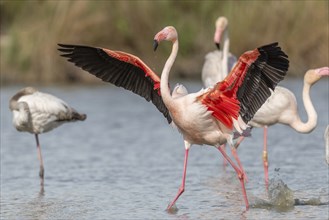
{"points": [[224, 161], [42, 170], [265, 159], [235, 155], [240, 176], [182, 187], [237, 144]]}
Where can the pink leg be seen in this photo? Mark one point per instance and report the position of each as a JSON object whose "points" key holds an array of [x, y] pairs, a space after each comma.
{"points": [[237, 144], [265, 159], [42, 171], [182, 187], [235, 155], [224, 161], [240, 176]]}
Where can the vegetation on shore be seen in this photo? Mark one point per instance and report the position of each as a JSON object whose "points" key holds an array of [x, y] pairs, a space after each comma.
{"points": [[30, 31]]}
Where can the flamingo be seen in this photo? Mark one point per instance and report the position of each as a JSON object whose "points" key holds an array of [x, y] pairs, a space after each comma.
{"points": [[205, 117], [219, 63], [36, 112], [281, 107], [326, 139]]}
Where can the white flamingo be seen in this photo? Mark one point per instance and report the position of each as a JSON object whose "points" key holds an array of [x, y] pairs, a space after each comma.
{"points": [[205, 117], [218, 63], [37, 112], [281, 107]]}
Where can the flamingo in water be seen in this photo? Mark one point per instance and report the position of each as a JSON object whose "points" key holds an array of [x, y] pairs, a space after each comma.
{"points": [[281, 107], [205, 117], [218, 64], [37, 112], [215, 69]]}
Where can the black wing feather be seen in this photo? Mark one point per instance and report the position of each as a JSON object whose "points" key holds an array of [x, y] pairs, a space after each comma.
{"points": [[264, 74], [97, 62]]}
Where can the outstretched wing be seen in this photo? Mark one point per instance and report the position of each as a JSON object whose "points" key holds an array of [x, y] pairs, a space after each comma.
{"points": [[248, 85], [120, 68]]}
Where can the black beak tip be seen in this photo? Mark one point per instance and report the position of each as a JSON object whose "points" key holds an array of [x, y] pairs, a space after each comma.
{"points": [[155, 45], [218, 46]]}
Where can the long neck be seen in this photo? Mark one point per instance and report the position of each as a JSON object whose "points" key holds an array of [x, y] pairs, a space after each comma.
{"points": [[164, 84], [13, 105], [312, 116], [226, 49], [13, 101]]}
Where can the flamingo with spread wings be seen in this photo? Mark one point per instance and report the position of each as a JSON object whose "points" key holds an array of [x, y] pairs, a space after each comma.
{"points": [[205, 117]]}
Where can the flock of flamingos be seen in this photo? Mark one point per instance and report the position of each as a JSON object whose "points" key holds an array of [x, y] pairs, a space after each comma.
{"points": [[239, 94]]}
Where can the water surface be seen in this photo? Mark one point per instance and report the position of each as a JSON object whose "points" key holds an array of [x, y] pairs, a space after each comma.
{"points": [[126, 162]]}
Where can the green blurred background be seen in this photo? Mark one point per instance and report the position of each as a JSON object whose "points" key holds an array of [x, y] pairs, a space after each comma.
{"points": [[30, 31]]}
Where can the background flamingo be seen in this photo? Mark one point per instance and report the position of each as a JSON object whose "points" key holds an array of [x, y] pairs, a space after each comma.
{"points": [[37, 112], [281, 107], [205, 117], [218, 63]]}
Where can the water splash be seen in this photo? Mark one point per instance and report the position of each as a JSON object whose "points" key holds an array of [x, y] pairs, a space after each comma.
{"points": [[281, 198], [173, 209], [280, 194]]}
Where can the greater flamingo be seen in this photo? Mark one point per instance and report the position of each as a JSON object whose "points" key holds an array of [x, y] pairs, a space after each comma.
{"points": [[218, 63], [326, 139], [281, 107], [37, 112], [205, 117]]}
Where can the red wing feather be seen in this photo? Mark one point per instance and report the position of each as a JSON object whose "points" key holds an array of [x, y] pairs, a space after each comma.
{"points": [[129, 58], [248, 85], [221, 100]]}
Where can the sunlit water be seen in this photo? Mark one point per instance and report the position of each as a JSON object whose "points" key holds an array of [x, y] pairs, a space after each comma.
{"points": [[126, 162]]}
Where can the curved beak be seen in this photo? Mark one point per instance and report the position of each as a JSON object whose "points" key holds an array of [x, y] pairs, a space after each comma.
{"points": [[218, 46], [155, 45]]}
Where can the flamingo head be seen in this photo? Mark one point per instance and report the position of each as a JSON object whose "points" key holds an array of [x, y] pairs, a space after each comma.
{"points": [[168, 33], [221, 25], [314, 75]]}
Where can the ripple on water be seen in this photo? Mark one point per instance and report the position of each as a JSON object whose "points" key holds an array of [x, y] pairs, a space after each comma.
{"points": [[125, 162]]}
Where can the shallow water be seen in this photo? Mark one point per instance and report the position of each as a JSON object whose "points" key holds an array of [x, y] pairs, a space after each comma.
{"points": [[125, 162]]}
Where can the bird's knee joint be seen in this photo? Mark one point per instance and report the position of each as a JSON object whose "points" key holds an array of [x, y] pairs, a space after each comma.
{"points": [[241, 176], [265, 156], [42, 172]]}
